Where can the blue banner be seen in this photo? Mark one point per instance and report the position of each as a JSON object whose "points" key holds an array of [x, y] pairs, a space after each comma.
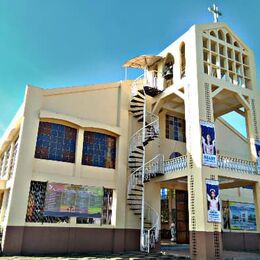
{"points": [[212, 188], [209, 154], [257, 147]]}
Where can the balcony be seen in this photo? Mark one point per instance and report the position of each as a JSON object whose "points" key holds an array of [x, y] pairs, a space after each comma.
{"points": [[237, 165]]}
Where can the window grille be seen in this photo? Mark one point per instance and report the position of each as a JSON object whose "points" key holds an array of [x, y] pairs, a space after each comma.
{"points": [[254, 119], [36, 205], [208, 102], [175, 128]]}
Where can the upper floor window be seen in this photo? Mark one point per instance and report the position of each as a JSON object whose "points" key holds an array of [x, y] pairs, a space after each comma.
{"points": [[99, 150], [56, 142], [182, 60], [175, 128]]}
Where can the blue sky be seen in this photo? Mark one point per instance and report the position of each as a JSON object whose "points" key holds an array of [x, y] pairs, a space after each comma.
{"points": [[54, 43]]}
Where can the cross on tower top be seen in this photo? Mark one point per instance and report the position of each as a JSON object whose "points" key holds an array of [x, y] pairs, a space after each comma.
{"points": [[216, 13]]}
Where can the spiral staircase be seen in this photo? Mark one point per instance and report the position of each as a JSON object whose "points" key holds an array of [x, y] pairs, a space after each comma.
{"points": [[140, 170]]}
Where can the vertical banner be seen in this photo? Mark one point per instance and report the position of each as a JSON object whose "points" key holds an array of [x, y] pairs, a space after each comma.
{"points": [[212, 188], [209, 154], [257, 147]]}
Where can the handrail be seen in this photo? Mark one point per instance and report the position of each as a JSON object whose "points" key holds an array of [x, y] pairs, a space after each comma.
{"points": [[154, 218], [176, 164], [236, 164]]}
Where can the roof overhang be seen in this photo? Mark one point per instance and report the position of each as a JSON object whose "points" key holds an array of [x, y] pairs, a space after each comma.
{"points": [[142, 61]]}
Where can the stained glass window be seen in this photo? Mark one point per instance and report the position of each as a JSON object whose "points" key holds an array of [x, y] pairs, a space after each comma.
{"points": [[99, 150], [175, 128], [56, 142]]}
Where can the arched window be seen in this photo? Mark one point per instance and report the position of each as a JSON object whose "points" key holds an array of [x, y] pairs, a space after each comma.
{"points": [[56, 142], [182, 60], [175, 155], [212, 33], [99, 150], [236, 44], [228, 38], [221, 35], [168, 68]]}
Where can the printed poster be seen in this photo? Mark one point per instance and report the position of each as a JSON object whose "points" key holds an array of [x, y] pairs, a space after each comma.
{"points": [[209, 154], [242, 216], [64, 200], [212, 188], [257, 147]]}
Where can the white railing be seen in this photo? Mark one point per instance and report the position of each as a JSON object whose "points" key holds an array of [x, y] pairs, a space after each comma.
{"points": [[238, 165], [135, 141], [151, 235], [149, 78], [176, 164], [134, 179], [153, 167]]}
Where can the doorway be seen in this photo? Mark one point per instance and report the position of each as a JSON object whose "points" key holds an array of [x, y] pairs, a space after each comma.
{"points": [[174, 212]]}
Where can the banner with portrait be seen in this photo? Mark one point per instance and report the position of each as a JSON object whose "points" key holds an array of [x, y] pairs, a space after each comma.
{"points": [[64, 200], [212, 188], [209, 154], [242, 216], [257, 147]]}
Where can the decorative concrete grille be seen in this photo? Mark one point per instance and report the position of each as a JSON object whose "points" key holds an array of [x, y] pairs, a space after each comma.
{"points": [[13, 159], [208, 102], [216, 234], [7, 156], [193, 217], [36, 205], [254, 120]]}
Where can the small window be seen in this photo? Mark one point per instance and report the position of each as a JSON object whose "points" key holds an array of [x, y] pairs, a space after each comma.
{"points": [[228, 38], [221, 35], [56, 142], [175, 155], [99, 150], [182, 60], [236, 44], [175, 128], [212, 33]]}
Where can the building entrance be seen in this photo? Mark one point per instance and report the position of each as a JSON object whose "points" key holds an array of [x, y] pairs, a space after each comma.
{"points": [[174, 216]]}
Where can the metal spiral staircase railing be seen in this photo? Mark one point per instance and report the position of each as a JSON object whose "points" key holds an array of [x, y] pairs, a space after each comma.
{"points": [[142, 171]]}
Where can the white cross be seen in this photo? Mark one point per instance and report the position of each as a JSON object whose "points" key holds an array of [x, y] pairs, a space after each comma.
{"points": [[216, 13]]}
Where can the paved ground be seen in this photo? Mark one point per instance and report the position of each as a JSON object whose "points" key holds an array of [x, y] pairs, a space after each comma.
{"points": [[228, 255]]}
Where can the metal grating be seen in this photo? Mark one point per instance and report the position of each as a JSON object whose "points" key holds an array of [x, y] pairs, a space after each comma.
{"points": [[208, 103], [36, 205], [193, 218]]}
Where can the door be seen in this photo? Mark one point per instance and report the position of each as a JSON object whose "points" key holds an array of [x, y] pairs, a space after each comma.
{"points": [[182, 217]]}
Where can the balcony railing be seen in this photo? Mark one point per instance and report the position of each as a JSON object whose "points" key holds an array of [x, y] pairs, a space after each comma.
{"points": [[237, 165], [175, 164]]}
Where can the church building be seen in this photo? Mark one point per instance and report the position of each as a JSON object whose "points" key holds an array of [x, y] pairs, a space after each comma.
{"points": [[138, 164]]}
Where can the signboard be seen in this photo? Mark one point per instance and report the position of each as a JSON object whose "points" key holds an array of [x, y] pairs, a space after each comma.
{"points": [[209, 154], [73, 200], [242, 216], [257, 147], [212, 188]]}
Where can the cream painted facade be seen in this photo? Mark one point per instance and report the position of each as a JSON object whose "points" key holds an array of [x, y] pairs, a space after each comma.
{"points": [[213, 74]]}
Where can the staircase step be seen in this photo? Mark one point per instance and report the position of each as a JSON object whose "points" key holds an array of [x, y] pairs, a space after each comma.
{"points": [[135, 157], [135, 195], [141, 91], [132, 199], [139, 96]]}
